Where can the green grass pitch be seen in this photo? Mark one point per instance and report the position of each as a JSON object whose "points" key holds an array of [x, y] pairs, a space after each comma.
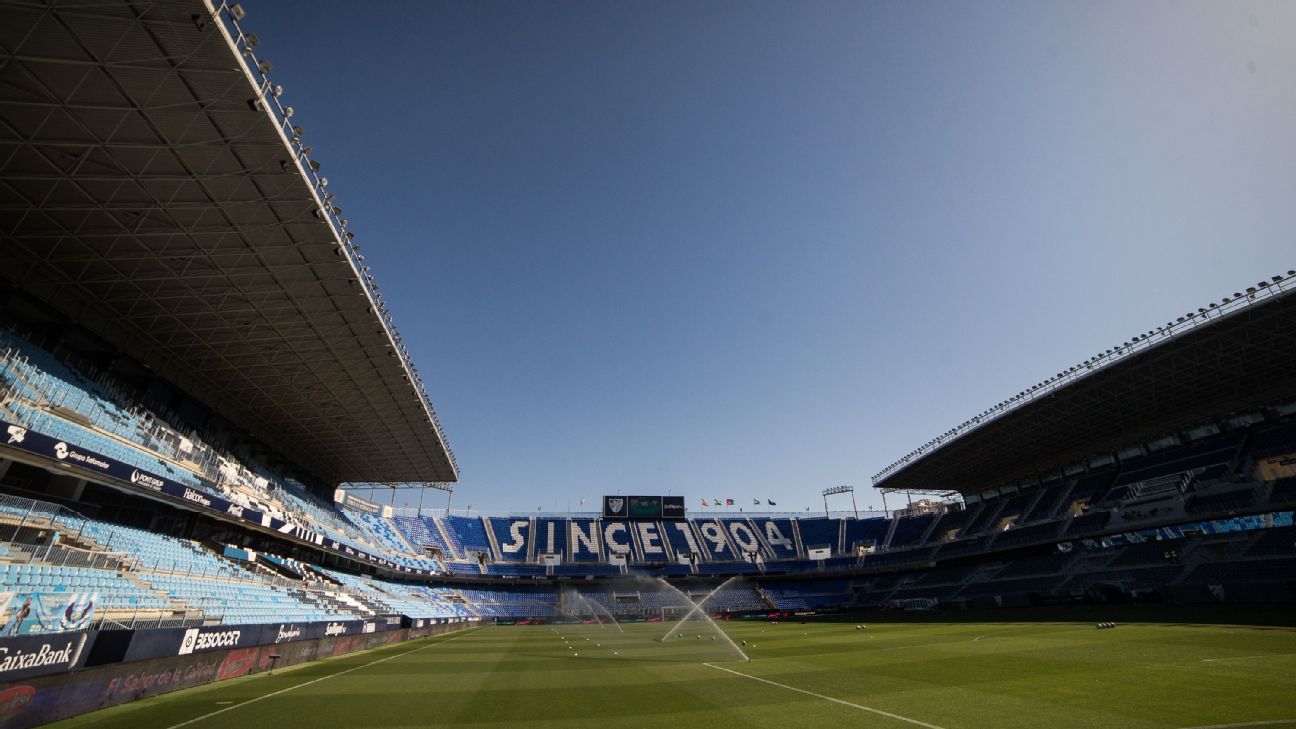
{"points": [[895, 674]]}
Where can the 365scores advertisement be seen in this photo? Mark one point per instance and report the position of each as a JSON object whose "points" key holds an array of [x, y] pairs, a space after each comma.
{"points": [[643, 507]]}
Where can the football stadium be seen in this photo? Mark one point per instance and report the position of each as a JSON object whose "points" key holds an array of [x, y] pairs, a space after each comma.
{"points": [[206, 402]]}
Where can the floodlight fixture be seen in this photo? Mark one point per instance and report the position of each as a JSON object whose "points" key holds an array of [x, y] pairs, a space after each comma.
{"points": [[833, 491]]}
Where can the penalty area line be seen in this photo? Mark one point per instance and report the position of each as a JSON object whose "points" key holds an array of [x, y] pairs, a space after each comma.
{"points": [[861, 707], [314, 680]]}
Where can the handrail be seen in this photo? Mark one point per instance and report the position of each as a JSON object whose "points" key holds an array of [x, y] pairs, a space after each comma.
{"points": [[228, 14], [1275, 287]]}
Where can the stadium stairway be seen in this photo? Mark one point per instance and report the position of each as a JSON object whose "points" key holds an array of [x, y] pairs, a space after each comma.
{"points": [[491, 540], [891, 532]]}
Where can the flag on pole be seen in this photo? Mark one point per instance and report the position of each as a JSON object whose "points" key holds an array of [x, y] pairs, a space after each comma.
{"points": [[704, 503], [771, 503], [756, 502], [728, 502], [717, 502]]}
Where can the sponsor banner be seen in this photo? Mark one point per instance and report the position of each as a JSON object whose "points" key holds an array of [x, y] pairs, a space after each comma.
{"points": [[673, 507], [16, 436], [187, 641], [36, 655], [355, 503], [28, 613], [164, 642], [50, 698]]}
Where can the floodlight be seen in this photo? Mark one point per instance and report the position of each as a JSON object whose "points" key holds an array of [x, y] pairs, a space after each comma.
{"points": [[237, 12]]}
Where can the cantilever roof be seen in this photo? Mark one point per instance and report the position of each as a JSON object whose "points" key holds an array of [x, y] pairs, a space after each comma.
{"points": [[151, 189], [1232, 358]]}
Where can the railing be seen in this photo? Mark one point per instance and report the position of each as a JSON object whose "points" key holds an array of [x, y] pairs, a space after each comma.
{"points": [[274, 498], [727, 513], [1275, 287], [244, 44]]}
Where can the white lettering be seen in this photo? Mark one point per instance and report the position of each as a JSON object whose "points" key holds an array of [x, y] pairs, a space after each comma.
{"points": [[712, 533], [775, 537], [683, 528], [579, 538], [649, 539], [46, 655], [612, 544], [743, 536], [519, 539], [196, 497]]}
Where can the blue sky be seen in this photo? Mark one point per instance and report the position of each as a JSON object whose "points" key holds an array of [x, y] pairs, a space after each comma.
{"points": [[757, 249]]}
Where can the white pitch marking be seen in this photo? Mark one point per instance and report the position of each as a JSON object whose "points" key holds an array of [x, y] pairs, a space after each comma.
{"points": [[979, 637], [314, 680], [1271, 722], [1246, 658], [861, 707]]}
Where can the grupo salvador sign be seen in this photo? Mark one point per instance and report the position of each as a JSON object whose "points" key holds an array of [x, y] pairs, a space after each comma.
{"points": [[17, 436]]}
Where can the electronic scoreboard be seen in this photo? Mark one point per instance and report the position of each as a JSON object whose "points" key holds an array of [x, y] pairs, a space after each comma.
{"points": [[643, 507]]}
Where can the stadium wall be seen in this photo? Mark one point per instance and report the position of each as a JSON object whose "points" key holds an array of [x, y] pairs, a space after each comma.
{"points": [[28, 703]]}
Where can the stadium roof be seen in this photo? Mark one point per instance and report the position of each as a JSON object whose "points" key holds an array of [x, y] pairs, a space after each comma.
{"points": [[154, 189], [1226, 358]]}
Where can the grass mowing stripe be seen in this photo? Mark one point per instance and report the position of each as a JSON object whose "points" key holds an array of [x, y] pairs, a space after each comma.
{"points": [[861, 707], [1246, 658], [1270, 723], [314, 680]]}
